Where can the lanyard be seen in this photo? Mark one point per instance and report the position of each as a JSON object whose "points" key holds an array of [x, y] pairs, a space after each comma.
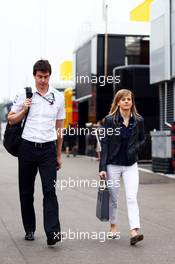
{"points": [[50, 100]]}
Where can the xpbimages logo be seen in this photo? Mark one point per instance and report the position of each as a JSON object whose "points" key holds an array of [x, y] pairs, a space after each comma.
{"points": [[101, 80], [77, 182], [93, 79], [101, 236], [102, 132]]}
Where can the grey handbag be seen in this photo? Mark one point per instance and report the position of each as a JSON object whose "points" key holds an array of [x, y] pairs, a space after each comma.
{"points": [[102, 208]]}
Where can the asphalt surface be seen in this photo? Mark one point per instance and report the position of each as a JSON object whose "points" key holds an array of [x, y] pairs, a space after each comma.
{"points": [[77, 214]]}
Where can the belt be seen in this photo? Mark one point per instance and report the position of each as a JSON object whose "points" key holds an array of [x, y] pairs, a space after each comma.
{"points": [[37, 144]]}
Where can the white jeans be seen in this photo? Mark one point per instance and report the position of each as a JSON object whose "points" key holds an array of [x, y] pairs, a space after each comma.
{"points": [[130, 176]]}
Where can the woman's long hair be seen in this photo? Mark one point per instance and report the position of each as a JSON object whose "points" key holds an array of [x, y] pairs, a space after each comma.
{"points": [[121, 93]]}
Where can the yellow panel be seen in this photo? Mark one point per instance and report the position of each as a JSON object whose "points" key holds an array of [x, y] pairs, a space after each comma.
{"points": [[68, 92], [66, 70], [141, 12]]}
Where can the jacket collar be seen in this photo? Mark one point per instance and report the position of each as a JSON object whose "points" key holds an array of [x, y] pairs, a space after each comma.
{"points": [[118, 118]]}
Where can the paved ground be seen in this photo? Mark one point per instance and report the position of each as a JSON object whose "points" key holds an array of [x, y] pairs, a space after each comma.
{"points": [[77, 211]]}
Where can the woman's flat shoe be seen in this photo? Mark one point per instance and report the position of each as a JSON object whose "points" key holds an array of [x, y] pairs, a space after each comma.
{"points": [[113, 236], [136, 239]]}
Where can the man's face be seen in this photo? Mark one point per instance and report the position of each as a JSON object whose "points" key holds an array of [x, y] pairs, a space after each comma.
{"points": [[42, 80]]}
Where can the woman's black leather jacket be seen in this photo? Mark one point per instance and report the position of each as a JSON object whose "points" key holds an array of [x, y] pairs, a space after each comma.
{"points": [[111, 140]]}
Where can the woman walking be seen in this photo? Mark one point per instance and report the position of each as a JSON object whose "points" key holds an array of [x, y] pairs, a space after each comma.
{"points": [[119, 157]]}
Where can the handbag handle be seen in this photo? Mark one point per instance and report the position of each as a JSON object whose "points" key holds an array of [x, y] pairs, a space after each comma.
{"points": [[103, 185]]}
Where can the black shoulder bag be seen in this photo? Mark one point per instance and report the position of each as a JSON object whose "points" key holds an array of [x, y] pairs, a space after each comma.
{"points": [[12, 137], [13, 133]]}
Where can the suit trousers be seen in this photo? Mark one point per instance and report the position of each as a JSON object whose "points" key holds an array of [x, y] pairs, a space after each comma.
{"points": [[42, 157], [130, 177]]}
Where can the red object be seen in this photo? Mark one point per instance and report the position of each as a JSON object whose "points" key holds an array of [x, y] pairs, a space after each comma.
{"points": [[74, 112]]}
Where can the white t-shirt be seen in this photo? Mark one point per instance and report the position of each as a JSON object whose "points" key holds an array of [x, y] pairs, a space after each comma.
{"points": [[41, 120]]}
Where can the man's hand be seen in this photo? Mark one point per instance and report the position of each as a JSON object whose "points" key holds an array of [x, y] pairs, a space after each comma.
{"points": [[59, 128], [14, 118], [59, 163], [27, 103], [103, 175]]}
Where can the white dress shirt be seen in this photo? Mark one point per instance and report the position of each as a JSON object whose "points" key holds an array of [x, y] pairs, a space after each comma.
{"points": [[41, 120]]}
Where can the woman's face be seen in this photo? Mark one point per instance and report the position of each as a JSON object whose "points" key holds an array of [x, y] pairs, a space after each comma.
{"points": [[125, 102]]}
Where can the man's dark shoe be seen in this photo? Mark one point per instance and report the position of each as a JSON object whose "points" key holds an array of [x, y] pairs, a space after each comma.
{"points": [[53, 238], [29, 236]]}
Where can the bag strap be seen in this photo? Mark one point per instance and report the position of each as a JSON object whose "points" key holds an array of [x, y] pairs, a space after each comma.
{"points": [[24, 122]]}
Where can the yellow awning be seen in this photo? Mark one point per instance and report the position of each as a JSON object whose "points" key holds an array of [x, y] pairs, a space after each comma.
{"points": [[142, 12], [66, 70]]}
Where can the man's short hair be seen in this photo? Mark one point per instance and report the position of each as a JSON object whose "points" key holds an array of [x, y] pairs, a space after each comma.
{"points": [[43, 66]]}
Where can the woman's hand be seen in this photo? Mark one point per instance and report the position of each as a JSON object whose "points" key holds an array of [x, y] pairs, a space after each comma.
{"points": [[103, 174]]}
